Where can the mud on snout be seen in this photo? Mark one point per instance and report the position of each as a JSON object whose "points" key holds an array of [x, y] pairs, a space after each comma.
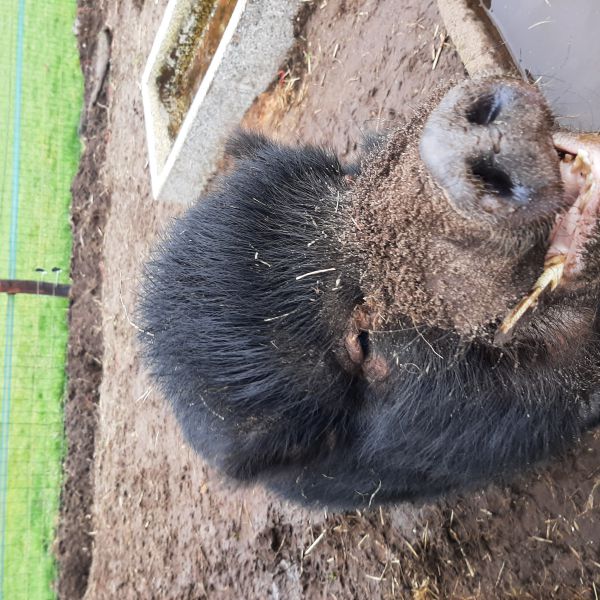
{"points": [[492, 148]]}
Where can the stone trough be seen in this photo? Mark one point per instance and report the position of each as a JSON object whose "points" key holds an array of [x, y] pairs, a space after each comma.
{"points": [[209, 60]]}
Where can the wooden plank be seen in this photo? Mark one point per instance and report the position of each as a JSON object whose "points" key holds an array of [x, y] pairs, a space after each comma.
{"points": [[477, 41], [38, 288]]}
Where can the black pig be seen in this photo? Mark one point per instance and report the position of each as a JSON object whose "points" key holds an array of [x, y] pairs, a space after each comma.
{"points": [[332, 331]]}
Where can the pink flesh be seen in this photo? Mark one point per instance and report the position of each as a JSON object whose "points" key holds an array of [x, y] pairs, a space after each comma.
{"points": [[573, 228]]}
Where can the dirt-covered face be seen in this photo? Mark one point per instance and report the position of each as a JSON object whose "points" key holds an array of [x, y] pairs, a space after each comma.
{"points": [[461, 212]]}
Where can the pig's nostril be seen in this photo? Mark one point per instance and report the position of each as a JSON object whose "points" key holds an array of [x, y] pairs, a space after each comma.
{"points": [[495, 180], [485, 109]]}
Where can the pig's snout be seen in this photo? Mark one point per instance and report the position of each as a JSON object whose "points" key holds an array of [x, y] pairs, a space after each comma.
{"points": [[489, 146]]}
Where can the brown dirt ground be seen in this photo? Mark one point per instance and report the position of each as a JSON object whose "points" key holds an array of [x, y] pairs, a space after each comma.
{"points": [[164, 524], [89, 211]]}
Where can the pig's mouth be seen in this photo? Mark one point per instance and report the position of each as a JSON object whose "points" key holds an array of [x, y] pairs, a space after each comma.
{"points": [[565, 258], [580, 173]]}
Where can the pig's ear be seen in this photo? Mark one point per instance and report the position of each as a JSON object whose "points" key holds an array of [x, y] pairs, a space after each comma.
{"points": [[247, 144]]}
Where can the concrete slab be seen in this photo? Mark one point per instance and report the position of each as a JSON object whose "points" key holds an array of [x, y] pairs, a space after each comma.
{"points": [[252, 47]]}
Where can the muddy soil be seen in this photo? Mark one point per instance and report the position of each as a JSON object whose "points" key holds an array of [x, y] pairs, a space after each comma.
{"points": [[164, 525], [89, 211]]}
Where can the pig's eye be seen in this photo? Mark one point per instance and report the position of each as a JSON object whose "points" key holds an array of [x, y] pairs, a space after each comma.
{"points": [[363, 340], [495, 180], [485, 109]]}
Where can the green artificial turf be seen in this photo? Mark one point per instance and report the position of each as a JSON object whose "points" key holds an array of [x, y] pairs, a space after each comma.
{"points": [[40, 102]]}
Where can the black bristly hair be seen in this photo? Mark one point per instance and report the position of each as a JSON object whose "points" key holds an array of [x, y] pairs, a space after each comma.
{"points": [[244, 307], [241, 334]]}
